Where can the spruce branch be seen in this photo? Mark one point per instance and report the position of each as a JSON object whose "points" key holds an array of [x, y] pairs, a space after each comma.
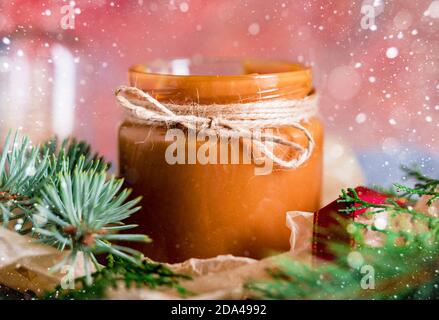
{"points": [[82, 212], [424, 186], [117, 271], [22, 173], [354, 202], [72, 150], [350, 196], [62, 196]]}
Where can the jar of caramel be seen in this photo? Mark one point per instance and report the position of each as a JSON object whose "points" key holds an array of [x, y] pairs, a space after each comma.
{"points": [[196, 207]]}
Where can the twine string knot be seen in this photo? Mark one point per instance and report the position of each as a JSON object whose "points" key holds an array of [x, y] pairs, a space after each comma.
{"points": [[239, 120]]}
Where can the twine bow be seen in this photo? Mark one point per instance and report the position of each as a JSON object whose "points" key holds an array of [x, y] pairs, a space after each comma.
{"points": [[231, 120]]}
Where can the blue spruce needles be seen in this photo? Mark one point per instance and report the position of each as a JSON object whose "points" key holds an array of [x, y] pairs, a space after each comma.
{"points": [[23, 170], [82, 211], [76, 207]]}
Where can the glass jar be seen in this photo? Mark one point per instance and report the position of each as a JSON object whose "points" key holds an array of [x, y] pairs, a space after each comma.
{"points": [[204, 210]]}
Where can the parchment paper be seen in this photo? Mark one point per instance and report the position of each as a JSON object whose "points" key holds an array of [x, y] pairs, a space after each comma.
{"points": [[25, 265]]}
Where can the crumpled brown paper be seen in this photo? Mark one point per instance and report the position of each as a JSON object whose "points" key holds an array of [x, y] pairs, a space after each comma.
{"points": [[223, 277], [225, 282], [24, 265]]}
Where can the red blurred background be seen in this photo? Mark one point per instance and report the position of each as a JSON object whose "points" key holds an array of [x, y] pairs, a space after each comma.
{"points": [[379, 88]]}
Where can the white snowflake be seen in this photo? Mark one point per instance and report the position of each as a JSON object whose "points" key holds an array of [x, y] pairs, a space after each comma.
{"points": [[392, 52]]}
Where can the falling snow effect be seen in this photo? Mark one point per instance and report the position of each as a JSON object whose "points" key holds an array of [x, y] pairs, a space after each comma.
{"points": [[392, 53], [253, 29], [355, 259], [378, 86]]}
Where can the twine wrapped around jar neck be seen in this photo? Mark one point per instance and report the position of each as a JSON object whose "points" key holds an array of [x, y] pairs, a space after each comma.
{"points": [[230, 120]]}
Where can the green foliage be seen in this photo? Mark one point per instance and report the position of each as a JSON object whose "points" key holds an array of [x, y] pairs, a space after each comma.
{"points": [[405, 266], [82, 212], [72, 151], [22, 173], [425, 186], [399, 273], [351, 197], [63, 197], [119, 271]]}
